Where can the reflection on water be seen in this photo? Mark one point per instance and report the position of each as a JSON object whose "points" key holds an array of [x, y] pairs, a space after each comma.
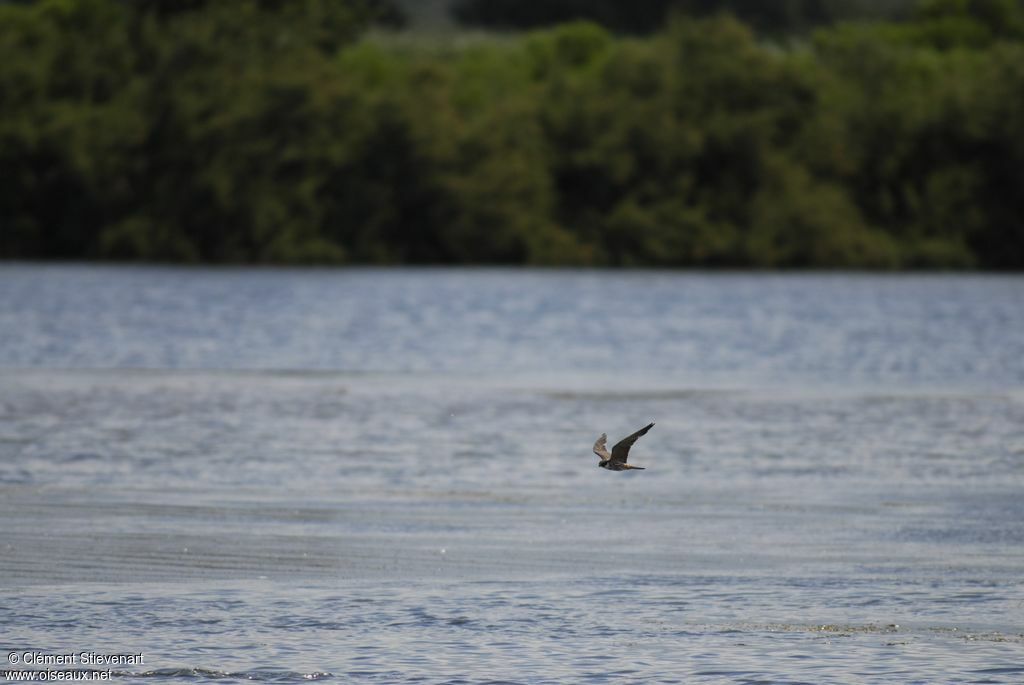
{"points": [[380, 476], [732, 328]]}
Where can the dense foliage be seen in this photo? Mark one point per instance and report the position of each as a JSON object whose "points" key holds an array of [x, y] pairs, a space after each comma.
{"points": [[268, 132], [642, 16]]}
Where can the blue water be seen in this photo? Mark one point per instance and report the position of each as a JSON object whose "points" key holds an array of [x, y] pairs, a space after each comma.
{"points": [[385, 476], [809, 329]]}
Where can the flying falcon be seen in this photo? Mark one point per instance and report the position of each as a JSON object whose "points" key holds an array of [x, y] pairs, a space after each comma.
{"points": [[616, 461]]}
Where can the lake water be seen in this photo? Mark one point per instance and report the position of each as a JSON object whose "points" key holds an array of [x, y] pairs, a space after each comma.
{"points": [[385, 476]]}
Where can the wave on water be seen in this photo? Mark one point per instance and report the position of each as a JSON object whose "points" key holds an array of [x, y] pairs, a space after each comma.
{"points": [[652, 394], [257, 675]]}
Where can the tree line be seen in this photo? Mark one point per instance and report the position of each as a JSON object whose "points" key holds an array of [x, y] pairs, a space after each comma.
{"points": [[262, 131], [776, 17]]}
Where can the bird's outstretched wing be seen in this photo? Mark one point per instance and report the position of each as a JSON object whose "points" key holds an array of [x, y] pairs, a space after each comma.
{"points": [[600, 449], [621, 450]]}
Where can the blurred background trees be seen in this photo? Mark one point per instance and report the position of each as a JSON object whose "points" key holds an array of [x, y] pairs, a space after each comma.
{"points": [[778, 17], [803, 133]]}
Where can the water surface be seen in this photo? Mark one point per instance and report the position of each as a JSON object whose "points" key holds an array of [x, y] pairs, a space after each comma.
{"points": [[385, 476]]}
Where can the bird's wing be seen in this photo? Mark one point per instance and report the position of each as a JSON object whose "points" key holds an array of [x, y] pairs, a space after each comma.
{"points": [[600, 449], [621, 450]]}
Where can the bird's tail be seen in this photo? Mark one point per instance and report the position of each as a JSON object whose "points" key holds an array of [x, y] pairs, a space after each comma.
{"points": [[630, 467]]}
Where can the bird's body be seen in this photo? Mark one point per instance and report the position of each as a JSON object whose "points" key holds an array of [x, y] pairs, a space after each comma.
{"points": [[616, 461], [615, 466]]}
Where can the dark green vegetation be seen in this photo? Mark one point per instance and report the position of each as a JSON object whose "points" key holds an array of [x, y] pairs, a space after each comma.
{"points": [[270, 132], [773, 17]]}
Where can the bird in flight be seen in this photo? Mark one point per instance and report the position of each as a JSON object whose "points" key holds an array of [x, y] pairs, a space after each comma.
{"points": [[616, 461]]}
